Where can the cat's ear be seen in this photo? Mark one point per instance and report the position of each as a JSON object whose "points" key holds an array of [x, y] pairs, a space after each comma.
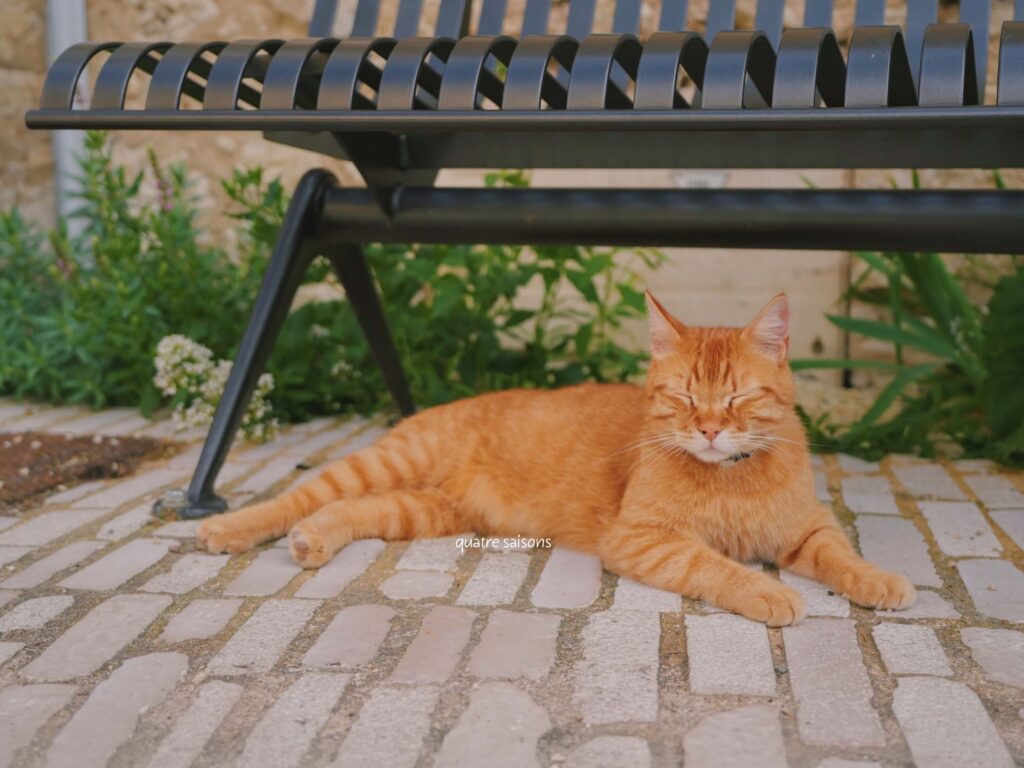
{"points": [[769, 331], [665, 329]]}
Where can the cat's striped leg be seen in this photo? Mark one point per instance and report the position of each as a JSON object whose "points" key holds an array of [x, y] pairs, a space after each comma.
{"points": [[395, 515], [395, 461], [682, 563], [823, 553]]}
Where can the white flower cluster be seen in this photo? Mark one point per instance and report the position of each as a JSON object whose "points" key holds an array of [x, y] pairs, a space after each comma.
{"points": [[187, 372]]}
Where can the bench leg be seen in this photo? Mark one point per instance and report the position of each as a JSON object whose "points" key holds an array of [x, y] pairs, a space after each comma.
{"points": [[357, 280], [294, 251]]}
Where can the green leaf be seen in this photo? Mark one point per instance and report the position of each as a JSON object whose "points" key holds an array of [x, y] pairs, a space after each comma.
{"points": [[891, 391], [878, 329], [805, 364], [584, 284]]}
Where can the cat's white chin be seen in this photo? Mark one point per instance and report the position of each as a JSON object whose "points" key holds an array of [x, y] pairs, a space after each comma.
{"points": [[711, 455]]}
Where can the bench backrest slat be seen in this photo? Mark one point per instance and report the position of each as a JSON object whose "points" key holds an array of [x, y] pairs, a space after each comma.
{"points": [[322, 22], [769, 19], [673, 15], [627, 17], [535, 17], [407, 21], [818, 13], [976, 13], [920, 13], [581, 18], [870, 13], [492, 17], [721, 17], [452, 18]]}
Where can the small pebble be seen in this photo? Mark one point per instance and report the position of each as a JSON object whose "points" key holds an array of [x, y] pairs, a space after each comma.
{"points": [[35, 445], [97, 439], [23, 471]]}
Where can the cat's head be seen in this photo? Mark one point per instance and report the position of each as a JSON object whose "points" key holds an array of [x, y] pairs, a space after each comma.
{"points": [[720, 393]]}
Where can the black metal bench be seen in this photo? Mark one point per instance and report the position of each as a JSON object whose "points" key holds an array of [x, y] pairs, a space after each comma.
{"points": [[403, 107]]}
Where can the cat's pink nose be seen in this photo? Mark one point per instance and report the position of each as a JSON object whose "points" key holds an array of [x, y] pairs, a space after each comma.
{"points": [[711, 434]]}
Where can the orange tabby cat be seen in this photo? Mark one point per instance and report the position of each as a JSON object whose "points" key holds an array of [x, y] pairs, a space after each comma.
{"points": [[674, 484]]}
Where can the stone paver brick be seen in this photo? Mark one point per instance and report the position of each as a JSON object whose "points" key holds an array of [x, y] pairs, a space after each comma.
{"points": [[1012, 523], [995, 586], [108, 717], [496, 580], [417, 585], [611, 752], [90, 423], [838, 762], [748, 737], [390, 729], [729, 654], [201, 619], [434, 653], [344, 567], [911, 649], [179, 529], [821, 489], [8, 651], [257, 645], [1000, 652], [113, 570], [352, 638], [946, 725], [13, 554], [6, 596], [286, 731], [431, 554], [266, 575], [516, 645], [45, 418], [501, 723], [49, 566], [633, 596], [819, 599], [996, 491], [189, 571], [895, 544], [7, 522], [852, 465], [617, 679], [570, 579], [127, 523], [35, 614], [869, 494], [929, 605], [24, 709], [49, 526], [210, 705], [928, 481], [97, 637], [960, 528], [74, 493], [830, 684], [116, 494], [267, 476]]}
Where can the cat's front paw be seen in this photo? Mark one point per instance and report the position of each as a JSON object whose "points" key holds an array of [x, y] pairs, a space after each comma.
{"points": [[878, 589], [219, 534], [775, 604], [308, 546]]}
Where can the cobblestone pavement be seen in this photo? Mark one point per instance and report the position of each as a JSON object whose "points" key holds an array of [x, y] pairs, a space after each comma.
{"points": [[121, 644]]}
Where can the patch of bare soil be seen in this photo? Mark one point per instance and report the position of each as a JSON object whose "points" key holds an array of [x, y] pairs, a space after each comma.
{"points": [[35, 463]]}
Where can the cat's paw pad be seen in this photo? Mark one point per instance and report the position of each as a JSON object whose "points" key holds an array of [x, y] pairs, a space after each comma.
{"points": [[308, 546], [775, 604], [879, 589], [216, 536]]}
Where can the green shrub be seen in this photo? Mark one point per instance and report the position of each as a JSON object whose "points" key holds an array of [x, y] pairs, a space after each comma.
{"points": [[966, 386], [80, 319]]}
